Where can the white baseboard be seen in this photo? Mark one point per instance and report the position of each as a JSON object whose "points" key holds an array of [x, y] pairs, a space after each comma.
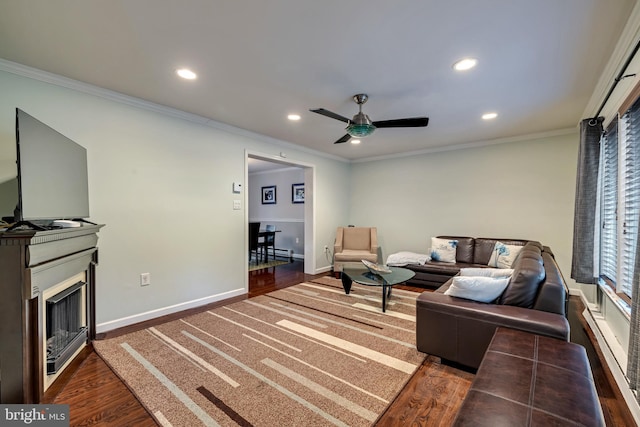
{"points": [[152, 314], [323, 270], [287, 252]]}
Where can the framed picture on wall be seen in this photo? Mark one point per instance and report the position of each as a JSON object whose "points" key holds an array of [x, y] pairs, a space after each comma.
{"points": [[297, 193], [269, 195]]}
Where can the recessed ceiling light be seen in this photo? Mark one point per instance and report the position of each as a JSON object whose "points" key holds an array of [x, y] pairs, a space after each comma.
{"points": [[489, 116], [355, 141], [186, 73], [465, 64], [293, 117]]}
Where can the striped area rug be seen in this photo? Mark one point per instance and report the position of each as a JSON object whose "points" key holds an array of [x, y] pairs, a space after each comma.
{"points": [[307, 355]]}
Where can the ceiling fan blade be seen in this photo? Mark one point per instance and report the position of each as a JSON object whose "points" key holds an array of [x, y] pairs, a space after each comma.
{"points": [[343, 139], [413, 122], [330, 114]]}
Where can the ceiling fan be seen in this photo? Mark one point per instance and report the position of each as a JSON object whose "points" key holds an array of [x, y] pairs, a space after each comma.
{"points": [[361, 125]]}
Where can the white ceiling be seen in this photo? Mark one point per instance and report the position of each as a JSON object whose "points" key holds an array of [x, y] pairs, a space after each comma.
{"points": [[257, 61]]}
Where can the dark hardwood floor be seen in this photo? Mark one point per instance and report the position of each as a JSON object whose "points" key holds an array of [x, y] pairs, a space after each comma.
{"points": [[432, 396]]}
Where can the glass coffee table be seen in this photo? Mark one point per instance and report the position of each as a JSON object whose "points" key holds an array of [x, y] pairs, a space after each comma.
{"points": [[385, 280]]}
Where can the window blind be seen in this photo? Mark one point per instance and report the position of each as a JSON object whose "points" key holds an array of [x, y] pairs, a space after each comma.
{"points": [[609, 203], [630, 182]]}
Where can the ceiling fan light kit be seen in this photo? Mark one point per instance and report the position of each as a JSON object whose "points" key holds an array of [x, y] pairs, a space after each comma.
{"points": [[360, 131], [361, 125]]}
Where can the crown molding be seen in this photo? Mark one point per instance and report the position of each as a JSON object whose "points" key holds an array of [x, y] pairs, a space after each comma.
{"points": [[57, 80], [475, 144], [61, 81]]}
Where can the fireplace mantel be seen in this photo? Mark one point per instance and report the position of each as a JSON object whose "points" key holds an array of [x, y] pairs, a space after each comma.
{"points": [[32, 262]]}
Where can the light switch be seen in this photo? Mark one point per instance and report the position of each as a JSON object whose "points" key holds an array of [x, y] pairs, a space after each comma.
{"points": [[237, 187], [237, 205]]}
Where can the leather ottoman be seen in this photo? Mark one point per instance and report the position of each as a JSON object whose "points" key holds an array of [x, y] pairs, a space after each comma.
{"points": [[527, 380]]}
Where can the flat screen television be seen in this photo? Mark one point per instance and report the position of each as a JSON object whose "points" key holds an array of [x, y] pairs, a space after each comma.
{"points": [[51, 173]]}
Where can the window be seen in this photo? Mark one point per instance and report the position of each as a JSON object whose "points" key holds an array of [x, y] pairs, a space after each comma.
{"points": [[609, 203], [630, 180], [620, 199]]}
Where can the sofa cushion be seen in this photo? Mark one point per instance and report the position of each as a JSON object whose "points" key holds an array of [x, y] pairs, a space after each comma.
{"points": [[357, 238], [533, 247], [447, 268], [464, 250], [443, 250], [351, 255], [552, 294], [486, 272], [477, 288], [484, 248], [531, 250], [503, 255], [528, 273]]}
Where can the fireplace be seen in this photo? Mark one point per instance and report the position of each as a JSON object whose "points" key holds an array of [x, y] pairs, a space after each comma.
{"points": [[65, 325], [47, 308]]}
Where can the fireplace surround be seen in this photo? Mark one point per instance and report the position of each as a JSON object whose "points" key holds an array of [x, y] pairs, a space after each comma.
{"points": [[47, 309]]}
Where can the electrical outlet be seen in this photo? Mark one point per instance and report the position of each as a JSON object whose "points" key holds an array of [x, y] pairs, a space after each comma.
{"points": [[326, 249], [145, 279]]}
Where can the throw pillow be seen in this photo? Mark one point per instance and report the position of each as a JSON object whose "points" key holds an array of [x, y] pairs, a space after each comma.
{"points": [[443, 250], [486, 272], [404, 258], [477, 288], [503, 255]]}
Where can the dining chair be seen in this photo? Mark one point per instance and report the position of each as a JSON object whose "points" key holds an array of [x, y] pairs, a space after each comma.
{"points": [[269, 241], [254, 234]]}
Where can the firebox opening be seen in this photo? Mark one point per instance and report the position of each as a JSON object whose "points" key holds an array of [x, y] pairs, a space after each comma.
{"points": [[66, 329]]}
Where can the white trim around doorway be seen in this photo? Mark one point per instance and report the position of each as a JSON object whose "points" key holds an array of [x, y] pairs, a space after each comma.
{"points": [[309, 206]]}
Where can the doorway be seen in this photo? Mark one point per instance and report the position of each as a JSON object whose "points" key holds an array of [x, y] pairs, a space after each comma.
{"points": [[282, 178]]}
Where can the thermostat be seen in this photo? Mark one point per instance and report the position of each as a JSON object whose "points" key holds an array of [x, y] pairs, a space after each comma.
{"points": [[237, 187]]}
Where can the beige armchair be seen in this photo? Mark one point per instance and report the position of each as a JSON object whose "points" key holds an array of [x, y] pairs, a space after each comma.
{"points": [[353, 244]]}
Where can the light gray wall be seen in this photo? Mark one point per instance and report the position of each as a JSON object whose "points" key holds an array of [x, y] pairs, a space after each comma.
{"points": [[8, 197], [288, 217], [163, 187], [520, 189]]}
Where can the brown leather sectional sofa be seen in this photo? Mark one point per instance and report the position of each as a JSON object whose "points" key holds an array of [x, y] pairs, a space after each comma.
{"points": [[471, 252], [460, 330], [528, 380]]}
